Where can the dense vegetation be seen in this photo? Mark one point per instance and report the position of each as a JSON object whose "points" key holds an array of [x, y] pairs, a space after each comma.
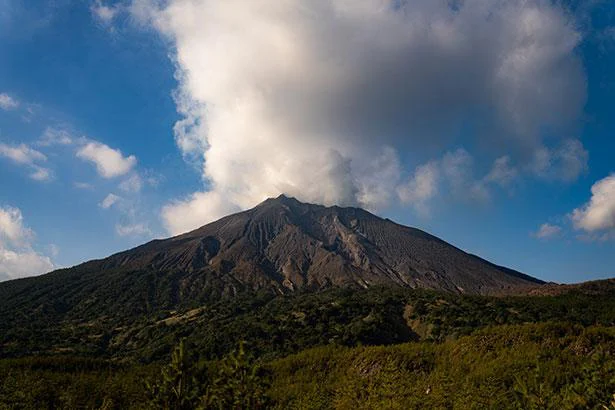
{"points": [[275, 326], [532, 366], [374, 348], [525, 367]]}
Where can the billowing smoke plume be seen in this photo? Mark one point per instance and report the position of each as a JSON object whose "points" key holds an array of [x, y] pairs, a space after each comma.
{"points": [[330, 100]]}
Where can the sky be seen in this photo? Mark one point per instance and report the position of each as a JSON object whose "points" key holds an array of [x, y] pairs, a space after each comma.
{"points": [[488, 123]]}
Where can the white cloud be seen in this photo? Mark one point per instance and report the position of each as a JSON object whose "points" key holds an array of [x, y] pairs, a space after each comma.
{"points": [[128, 212], [422, 187], [199, 209], [598, 215], [379, 180], [132, 185], [109, 201], [109, 162], [458, 169], [17, 257], [21, 154], [139, 229], [41, 174], [301, 97], [26, 156], [15, 264], [563, 163], [55, 136], [502, 172], [54, 250], [153, 179], [12, 229], [104, 13], [129, 215], [453, 174], [547, 231], [7, 102]]}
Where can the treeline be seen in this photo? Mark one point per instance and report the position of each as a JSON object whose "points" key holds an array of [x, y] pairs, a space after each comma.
{"points": [[279, 326]]}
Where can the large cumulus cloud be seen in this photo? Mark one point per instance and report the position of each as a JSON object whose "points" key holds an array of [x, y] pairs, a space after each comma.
{"points": [[331, 100]]}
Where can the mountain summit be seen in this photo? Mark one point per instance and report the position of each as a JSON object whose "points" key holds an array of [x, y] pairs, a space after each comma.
{"points": [[284, 245]]}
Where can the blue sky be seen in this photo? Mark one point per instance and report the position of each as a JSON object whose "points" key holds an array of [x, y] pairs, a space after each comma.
{"points": [[489, 125]]}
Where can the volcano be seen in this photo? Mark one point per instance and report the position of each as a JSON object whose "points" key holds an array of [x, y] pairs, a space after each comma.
{"points": [[284, 245]]}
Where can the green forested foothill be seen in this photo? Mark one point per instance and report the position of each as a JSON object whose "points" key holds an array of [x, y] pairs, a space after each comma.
{"points": [[275, 326], [361, 349]]}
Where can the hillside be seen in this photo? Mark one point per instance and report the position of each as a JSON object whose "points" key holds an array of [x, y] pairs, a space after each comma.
{"points": [[280, 247]]}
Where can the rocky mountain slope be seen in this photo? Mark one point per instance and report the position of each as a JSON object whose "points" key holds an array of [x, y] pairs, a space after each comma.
{"points": [[283, 245], [287, 245]]}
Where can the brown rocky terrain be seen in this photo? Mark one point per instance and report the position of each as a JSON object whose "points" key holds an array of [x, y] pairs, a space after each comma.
{"points": [[285, 245]]}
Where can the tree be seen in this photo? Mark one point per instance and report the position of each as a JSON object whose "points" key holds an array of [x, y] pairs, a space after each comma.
{"points": [[179, 384], [234, 383], [240, 384]]}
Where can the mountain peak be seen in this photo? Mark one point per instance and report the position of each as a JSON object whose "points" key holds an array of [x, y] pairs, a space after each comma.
{"points": [[286, 200], [282, 198], [288, 203], [291, 201]]}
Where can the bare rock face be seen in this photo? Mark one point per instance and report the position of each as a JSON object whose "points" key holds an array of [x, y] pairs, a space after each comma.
{"points": [[284, 245]]}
